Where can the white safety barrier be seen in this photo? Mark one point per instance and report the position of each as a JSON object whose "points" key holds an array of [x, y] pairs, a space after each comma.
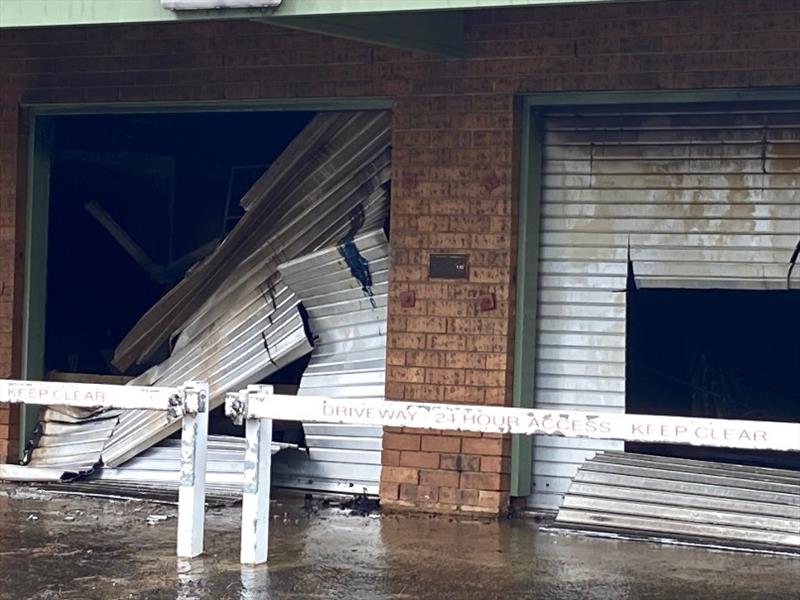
{"points": [[257, 406], [188, 402]]}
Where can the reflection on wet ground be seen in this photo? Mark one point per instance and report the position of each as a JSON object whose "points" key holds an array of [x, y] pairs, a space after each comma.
{"points": [[74, 547]]}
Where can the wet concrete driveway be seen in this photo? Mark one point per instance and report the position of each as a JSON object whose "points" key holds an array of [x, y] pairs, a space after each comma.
{"points": [[56, 546]]}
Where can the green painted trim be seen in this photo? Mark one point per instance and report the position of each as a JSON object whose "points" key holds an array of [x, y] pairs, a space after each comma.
{"points": [[300, 104], [437, 32], [48, 13], [527, 283], [36, 231], [659, 97]]}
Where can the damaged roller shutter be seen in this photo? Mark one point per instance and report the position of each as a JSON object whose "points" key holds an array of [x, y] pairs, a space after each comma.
{"points": [[302, 203], [232, 319], [625, 494], [704, 198], [694, 196], [345, 291]]}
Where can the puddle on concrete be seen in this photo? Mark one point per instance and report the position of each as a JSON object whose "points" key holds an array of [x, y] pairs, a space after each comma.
{"points": [[79, 548]]}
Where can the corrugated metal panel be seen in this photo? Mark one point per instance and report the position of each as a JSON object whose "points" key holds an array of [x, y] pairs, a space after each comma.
{"points": [[260, 334], [155, 474], [682, 499], [699, 199], [706, 199], [249, 326], [580, 334], [257, 339], [297, 206], [266, 334], [71, 439], [361, 204], [159, 466], [347, 316]]}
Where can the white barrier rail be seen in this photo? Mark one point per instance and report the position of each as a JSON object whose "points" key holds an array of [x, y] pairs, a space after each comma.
{"points": [[257, 406], [188, 402]]}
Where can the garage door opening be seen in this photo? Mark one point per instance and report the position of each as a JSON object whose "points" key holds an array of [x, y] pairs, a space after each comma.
{"points": [[233, 248], [722, 354], [135, 200]]}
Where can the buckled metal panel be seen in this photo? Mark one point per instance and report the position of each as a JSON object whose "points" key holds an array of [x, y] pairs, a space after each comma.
{"points": [[257, 338], [155, 474], [159, 466], [697, 197], [328, 185], [688, 500], [345, 291], [296, 207], [71, 439]]}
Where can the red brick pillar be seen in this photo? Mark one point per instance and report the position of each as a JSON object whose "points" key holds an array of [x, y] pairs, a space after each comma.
{"points": [[13, 154], [451, 193], [9, 433]]}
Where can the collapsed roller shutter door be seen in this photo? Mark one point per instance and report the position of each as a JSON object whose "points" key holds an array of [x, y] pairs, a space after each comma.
{"points": [[697, 197]]}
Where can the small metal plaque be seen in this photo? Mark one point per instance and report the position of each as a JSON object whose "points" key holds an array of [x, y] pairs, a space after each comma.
{"points": [[448, 266]]}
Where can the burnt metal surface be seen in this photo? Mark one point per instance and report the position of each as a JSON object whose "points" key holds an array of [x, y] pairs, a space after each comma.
{"points": [[345, 291], [692, 500]]}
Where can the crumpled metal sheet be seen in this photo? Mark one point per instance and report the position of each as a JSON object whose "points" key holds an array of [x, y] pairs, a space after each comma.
{"points": [[326, 187], [257, 339], [159, 466], [308, 199], [685, 500], [259, 334], [71, 439], [155, 474], [345, 291]]}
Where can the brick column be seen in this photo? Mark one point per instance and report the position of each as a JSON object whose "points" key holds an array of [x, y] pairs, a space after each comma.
{"points": [[451, 193], [9, 433]]}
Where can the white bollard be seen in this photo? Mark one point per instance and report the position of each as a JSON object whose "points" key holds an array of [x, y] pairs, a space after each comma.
{"points": [[192, 490], [255, 499]]}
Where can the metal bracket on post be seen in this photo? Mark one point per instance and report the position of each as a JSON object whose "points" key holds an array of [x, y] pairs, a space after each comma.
{"points": [[257, 471], [192, 490]]}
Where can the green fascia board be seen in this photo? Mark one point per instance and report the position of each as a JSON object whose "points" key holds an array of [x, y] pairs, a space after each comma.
{"points": [[438, 32], [44, 13]]}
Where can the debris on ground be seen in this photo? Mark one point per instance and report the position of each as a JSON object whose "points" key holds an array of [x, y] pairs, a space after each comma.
{"points": [[154, 519]]}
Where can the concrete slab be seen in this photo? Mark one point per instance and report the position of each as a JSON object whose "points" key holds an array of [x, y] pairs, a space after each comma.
{"points": [[55, 546]]}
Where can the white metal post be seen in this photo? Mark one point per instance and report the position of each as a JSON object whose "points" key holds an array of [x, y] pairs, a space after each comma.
{"points": [[255, 499], [192, 491]]}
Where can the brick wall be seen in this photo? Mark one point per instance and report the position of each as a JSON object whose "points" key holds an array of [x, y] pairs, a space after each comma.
{"points": [[453, 169], [12, 241]]}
